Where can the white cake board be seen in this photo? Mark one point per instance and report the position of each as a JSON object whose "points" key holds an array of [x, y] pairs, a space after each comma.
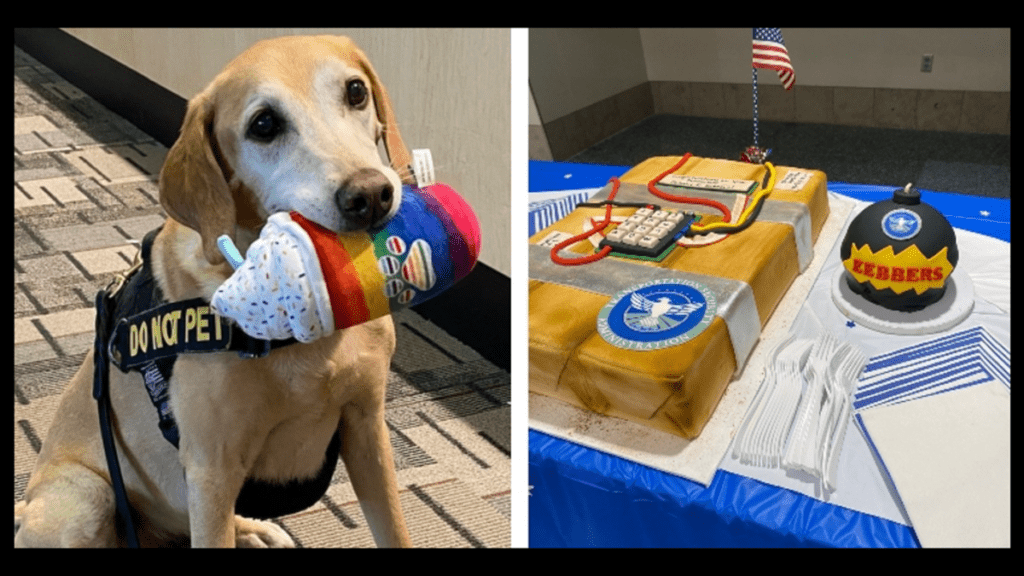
{"points": [[695, 459], [955, 305]]}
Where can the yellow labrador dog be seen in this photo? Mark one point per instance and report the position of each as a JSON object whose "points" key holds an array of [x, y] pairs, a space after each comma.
{"points": [[290, 124]]}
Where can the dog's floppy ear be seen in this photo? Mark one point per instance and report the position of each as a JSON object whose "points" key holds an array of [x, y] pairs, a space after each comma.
{"points": [[193, 188], [398, 154]]}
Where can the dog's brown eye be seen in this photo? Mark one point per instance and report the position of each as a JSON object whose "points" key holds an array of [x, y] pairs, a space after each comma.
{"points": [[356, 92], [265, 126]]}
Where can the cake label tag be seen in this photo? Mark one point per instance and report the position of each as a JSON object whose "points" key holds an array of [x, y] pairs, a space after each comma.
{"points": [[794, 180], [657, 314], [708, 183], [554, 238]]}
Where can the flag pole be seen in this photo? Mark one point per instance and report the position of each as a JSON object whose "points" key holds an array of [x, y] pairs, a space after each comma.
{"points": [[756, 143], [754, 154], [770, 53]]}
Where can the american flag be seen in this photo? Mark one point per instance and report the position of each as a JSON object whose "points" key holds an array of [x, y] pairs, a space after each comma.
{"points": [[770, 53]]}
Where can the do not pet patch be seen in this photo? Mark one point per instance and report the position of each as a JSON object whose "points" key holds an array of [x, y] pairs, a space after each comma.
{"points": [[657, 314]]}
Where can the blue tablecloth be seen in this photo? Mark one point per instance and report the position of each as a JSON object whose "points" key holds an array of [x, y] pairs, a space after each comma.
{"points": [[582, 497]]}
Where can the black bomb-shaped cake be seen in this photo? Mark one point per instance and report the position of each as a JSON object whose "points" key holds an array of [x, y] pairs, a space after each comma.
{"points": [[899, 253]]}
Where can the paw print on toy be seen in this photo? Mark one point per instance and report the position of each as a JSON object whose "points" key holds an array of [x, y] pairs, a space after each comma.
{"points": [[406, 276]]}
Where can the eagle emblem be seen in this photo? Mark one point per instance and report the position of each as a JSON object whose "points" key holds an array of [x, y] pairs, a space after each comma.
{"points": [[656, 314], [901, 224]]}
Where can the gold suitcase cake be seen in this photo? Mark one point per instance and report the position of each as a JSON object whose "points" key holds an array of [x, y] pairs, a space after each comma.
{"points": [[629, 324]]}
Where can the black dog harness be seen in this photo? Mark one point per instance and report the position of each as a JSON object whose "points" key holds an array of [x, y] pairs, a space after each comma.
{"points": [[136, 329]]}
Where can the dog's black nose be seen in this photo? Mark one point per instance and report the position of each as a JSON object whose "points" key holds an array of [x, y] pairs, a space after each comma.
{"points": [[364, 198]]}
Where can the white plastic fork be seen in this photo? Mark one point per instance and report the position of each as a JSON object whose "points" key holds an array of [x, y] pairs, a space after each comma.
{"points": [[762, 435], [832, 401], [792, 389], [846, 383], [801, 453], [741, 448], [745, 446]]}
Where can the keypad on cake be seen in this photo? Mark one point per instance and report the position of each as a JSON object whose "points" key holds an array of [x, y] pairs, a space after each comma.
{"points": [[648, 232]]}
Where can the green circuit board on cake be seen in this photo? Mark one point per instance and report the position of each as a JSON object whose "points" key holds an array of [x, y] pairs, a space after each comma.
{"points": [[649, 234]]}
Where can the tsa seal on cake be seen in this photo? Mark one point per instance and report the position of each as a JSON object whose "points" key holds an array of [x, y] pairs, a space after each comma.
{"points": [[657, 314], [901, 224]]}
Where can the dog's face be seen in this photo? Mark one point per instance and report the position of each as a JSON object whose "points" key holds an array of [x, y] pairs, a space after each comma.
{"points": [[291, 124]]}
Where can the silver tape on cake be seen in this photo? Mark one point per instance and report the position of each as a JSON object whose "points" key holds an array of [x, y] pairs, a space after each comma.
{"points": [[630, 192], [735, 299], [795, 214], [798, 216]]}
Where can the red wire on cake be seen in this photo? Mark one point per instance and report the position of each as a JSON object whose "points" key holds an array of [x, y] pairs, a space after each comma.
{"points": [[597, 228], [685, 199], [608, 217]]}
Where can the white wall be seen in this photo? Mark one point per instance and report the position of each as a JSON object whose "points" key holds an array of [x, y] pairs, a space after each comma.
{"points": [[965, 59], [578, 67], [573, 68], [450, 89]]}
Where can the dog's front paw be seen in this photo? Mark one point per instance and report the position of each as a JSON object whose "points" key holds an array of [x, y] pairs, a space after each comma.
{"points": [[259, 534]]}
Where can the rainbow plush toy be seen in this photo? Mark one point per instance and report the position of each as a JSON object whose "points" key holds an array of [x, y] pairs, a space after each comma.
{"points": [[301, 280]]}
